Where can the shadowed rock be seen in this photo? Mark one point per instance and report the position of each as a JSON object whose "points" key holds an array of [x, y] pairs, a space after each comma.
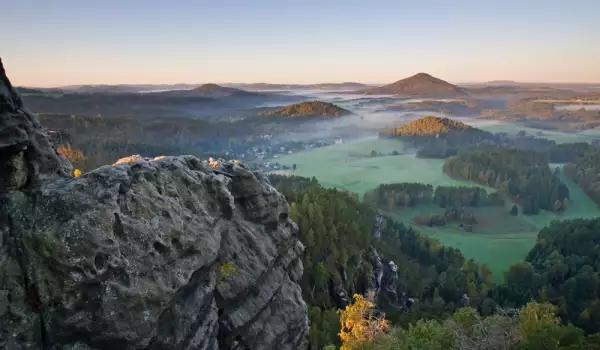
{"points": [[26, 153], [165, 253]]}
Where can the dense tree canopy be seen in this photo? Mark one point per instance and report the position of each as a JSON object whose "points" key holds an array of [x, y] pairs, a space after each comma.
{"points": [[390, 196], [429, 126], [102, 140], [403, 195], [569, 152], [336, 230], [309, 109], [438, 137], [533, 327], [523, 174], [584, 171], [562, 269]]}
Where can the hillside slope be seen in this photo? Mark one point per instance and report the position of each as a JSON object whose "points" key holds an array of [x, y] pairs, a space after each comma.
{"points": [[214, 90], [436, 137], [308, 109], [421, 84], [429, 125]]}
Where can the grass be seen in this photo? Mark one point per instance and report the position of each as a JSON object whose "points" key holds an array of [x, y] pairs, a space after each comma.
{"points": [[349, 166], [501, 239]]}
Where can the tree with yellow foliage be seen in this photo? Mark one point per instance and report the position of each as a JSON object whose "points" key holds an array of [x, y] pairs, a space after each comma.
{"points": [[71, 153], [360, 324], [75, 156]]}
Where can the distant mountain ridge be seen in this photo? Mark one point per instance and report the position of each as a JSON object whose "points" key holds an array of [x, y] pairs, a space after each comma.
{"points": [[319, 86], [215, 90], [309, 109], [120, 88], [418, 85]]}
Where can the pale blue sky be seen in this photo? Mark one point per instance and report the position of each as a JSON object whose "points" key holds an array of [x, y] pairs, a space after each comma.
{"points": [[59, 42]]}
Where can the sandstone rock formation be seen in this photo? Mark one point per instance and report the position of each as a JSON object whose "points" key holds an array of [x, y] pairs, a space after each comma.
{"points": [[385, 276], [26, 153], [165, 253]]}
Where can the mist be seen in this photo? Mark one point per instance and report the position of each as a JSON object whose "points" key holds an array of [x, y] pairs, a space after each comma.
{"points": [[370, 115]]}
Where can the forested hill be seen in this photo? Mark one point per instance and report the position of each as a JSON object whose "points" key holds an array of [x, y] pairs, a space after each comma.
{"points": [[222, 91], [420, 84], [523, 174], [428, 126], [309, 109], [440, 137]]}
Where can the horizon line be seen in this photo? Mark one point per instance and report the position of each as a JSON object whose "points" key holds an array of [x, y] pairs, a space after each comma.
{"points": [[318, 83]]}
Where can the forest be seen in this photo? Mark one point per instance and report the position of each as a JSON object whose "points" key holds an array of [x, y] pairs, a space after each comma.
{"points": [[403, 195], [399, 195], [548, 301], [562, 268], [522, 174], [439, 137], [308, 109], [584, 171], [336, 230], [428, 126], [535, 326], [569, 152], [102, 140]]}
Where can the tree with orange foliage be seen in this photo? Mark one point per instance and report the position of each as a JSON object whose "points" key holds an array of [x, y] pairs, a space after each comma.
{"points": [[74, 155], [360, 324]]}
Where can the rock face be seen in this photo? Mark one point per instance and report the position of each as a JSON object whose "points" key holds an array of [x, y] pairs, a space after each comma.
{"points": [[166, 253], [377, 276], [385, 276], [27, 155]]}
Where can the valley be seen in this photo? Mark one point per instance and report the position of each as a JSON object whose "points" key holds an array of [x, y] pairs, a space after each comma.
{"points": [[332, 135], [501, 239]]}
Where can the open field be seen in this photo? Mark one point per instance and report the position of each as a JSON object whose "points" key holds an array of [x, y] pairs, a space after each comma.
{"points": [[350, 166], [499, 240]]}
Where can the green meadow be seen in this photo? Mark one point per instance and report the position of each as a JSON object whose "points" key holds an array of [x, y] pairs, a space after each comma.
{"points": [[499, 240]]}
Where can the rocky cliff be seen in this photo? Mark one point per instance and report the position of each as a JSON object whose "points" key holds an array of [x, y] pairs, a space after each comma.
{"points": [[168, 253]]}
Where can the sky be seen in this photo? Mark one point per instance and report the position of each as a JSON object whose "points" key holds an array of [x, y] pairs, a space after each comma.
{"points": [[63, 42]]}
